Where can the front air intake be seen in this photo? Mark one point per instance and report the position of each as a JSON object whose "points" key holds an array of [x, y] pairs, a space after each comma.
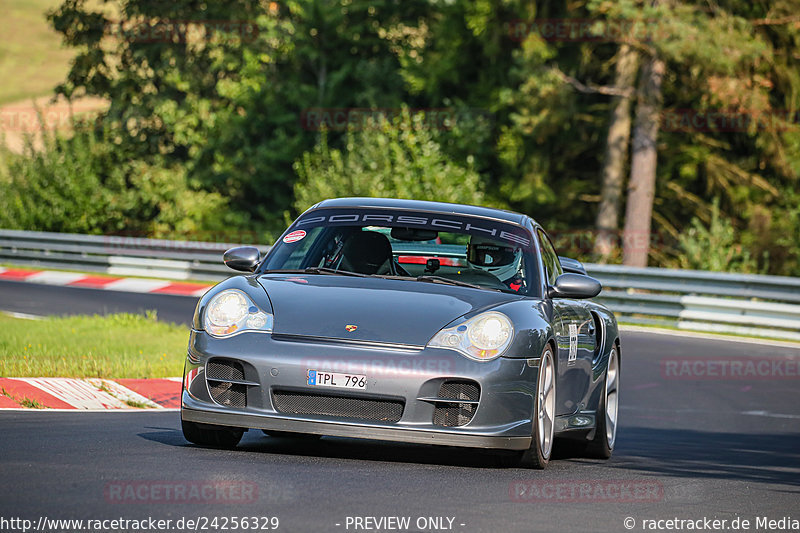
{"points": [[304, 403], [456, 403], [226, 385]]}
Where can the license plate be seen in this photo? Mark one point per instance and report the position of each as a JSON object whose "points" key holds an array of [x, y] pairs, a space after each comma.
{"points": [[338, 380]]}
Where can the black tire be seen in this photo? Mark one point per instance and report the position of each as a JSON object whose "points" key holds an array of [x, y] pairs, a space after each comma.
{"points": [[289, 435], [541, 449], [602, 445], [213, 436]]}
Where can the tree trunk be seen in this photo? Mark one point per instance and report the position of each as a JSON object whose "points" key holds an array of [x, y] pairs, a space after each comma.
{"points": [[616, 155], [642, 182]]}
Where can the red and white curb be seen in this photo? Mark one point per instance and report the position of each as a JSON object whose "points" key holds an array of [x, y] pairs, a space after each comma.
{"points": [[73, 279], [90, 394]]}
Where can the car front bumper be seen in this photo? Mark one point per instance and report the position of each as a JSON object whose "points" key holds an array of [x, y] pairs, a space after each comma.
{"points": [[501, 417]]}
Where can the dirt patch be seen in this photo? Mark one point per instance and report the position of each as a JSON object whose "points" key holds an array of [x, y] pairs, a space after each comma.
{"points": [[30, 118]]}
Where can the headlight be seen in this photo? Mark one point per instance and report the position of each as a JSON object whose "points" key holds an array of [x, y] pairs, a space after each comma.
{"points": [[483, 337], [231, 311]]}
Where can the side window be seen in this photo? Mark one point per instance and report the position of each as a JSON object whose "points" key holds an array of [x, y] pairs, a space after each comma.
{"points": [[299, 249], [550, 258]]}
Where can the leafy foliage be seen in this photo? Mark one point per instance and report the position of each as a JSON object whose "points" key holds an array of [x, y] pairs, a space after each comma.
{"points": [[226, 100], [79, 185], [385, 159], [714, 247]]}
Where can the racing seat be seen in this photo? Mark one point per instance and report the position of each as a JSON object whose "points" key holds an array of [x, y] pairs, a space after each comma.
{"points": [[368, 252]]}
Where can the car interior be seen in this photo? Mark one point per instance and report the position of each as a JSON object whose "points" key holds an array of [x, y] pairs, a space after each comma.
{"points": [[405, 252]]}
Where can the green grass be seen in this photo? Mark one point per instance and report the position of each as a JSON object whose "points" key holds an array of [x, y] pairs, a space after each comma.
{"points": [[112, 346], [138, 405], [31, 404], [24, 401], [32, 58]]}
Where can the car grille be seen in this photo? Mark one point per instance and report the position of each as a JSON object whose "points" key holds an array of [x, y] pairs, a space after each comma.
{"points": [[219, 374], [460, 390], [224, 370], [451, 413], [300, 403]]}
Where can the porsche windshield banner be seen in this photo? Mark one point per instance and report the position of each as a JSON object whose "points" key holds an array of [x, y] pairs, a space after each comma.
{"points": [[494, 229]]}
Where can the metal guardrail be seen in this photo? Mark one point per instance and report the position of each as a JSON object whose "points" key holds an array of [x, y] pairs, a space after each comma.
{"points": [[743, 304], [687, 299], [124, 256]]}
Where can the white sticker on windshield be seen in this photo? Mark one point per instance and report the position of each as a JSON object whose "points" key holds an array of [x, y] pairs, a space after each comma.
{"points": [[294, 236]]}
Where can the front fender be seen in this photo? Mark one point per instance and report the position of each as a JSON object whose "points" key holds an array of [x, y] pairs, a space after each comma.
{"points": [[533, 327]]}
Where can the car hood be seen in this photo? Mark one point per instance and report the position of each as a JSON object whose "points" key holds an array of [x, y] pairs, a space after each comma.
{"points": [[383, 310]]}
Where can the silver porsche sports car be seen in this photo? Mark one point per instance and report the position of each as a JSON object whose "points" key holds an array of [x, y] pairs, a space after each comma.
{"points": [[407, 321]]}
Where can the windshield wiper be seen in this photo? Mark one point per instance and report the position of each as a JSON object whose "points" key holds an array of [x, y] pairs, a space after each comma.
{"points": [[316, 270], [440, 279]]}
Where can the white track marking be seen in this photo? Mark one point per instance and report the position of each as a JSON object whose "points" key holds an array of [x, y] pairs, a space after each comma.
{"points": [[141, 285], [708, 411], [24, 316], [52, 277], [123, 393], [78, 393], [136, 285], [771, 415]]}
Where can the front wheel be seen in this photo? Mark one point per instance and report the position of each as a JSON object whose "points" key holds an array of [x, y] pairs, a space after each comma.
{"points": [[214, 436], [544, 415], [602, 446]]}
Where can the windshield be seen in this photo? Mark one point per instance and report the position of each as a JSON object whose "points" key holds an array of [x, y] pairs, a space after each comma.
{"points": [[438, 248]]}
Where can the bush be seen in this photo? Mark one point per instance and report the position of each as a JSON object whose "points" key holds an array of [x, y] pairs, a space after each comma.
{"points": [[715, 247], [83, 185], [397, 159]]}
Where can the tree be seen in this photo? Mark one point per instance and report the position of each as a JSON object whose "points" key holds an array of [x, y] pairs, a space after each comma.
{"points": [[220, 89], [642, 182], [615, 161]]}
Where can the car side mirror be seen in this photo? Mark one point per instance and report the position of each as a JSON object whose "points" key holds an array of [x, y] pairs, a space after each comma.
{"points": [[242, 258], [577, 286], [571, 265]]}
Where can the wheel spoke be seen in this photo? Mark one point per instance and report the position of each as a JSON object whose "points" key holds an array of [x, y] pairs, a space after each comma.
{"points": [[548, 382], [612, 399]]}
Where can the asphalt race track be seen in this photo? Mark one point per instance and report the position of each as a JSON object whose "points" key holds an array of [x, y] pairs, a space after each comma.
{"points": [[705, 448], [39, 299]]}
